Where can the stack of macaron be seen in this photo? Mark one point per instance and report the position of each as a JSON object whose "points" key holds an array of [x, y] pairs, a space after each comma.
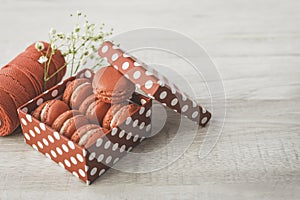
{"points": [[89, 108], [22, 79]]}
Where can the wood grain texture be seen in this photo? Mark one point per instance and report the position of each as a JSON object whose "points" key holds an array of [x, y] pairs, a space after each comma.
{"points": [[256, 47]]}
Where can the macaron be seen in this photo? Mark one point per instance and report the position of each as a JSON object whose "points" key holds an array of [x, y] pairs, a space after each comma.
{"points": [[79, 94], [88, 134], [111, 86], [59, 121], [113, 113], [48, 111], [72, 124], [71, 87], [94, 109]]}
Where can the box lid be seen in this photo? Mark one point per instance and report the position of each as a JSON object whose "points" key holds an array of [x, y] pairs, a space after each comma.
{"points": [[154, 84]]}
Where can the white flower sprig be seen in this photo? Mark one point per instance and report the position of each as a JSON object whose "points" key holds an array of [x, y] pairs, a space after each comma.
{"points": [[78, 47]]}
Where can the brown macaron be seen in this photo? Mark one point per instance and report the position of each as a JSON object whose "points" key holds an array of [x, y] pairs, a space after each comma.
{"points": [[80, 94], [111, 86], [94, 109], [110, 114], [59, 121], [72, 124], [88, 134], [71, 87], [50, 110]]}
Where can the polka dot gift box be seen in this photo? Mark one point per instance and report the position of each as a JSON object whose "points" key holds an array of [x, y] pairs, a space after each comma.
{"points": [[85, 162], [154, 84]]}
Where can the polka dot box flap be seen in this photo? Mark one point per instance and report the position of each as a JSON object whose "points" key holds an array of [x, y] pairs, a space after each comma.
{"points": [[86, 164], [154, 84]]}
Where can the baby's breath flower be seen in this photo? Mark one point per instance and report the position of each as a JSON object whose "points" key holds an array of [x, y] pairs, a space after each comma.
{"points": [[52, 31], [78, 13], [39, 46], [53, 46], [43, 59], [83, 61]]}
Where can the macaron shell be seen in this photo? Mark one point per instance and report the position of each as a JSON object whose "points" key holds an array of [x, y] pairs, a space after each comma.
{"points": [[81, 131], [122, 114], [96, 111], [37, 112], [54, 108], [70, 88], [86, 103], [59, 121], [80, 94], [110, 113], [101, 132], [73, 124], [110, 81]]}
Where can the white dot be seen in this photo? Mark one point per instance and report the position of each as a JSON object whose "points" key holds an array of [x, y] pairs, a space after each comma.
{"points": [[56, 135], [135, 123], [42, 126], [104, 49], [148, 113], [194, 104], [148, 73], [79, 157], [163, 95], [148, 84], [122, 149], [128, 120], [161, 83], [40, 145], [114, 131], [53, 153], [115, 146], [137, 75], [65, 148], [136, 137], [88, 74], [101, 172], [93, 171], [48, 156], [37, 130], [195, 114], [174, 102], [136, 64], [121, 134], [29, 118], [148, 128], [82, 173], [73, 160], [184, 98], [54, 93], [129, 149], [59, 151], [116, 67], [143, 101], [32, 133], [62, 165], [39, 101], [184, 108], [142, 110], [115, 57], [142, 125], [50, 138], [107, 144], [126, 75], [108, 159], [128, 136], [125, 65], [24, 122], [27, 136], [45, 142], [99, 142], [173, 90], [25, 109], [142, 139], [67, 163], [138, 86], [116, 160], [71, 145], [92, 156], [75, 174], [84, 152], [203, 110], [204, 120], [100, 158]]}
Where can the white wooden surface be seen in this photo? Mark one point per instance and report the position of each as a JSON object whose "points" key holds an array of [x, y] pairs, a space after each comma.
{"points": [[256, 46]]}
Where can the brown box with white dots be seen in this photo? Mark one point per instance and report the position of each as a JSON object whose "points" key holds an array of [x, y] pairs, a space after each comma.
{"points": [[85, 163]]}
